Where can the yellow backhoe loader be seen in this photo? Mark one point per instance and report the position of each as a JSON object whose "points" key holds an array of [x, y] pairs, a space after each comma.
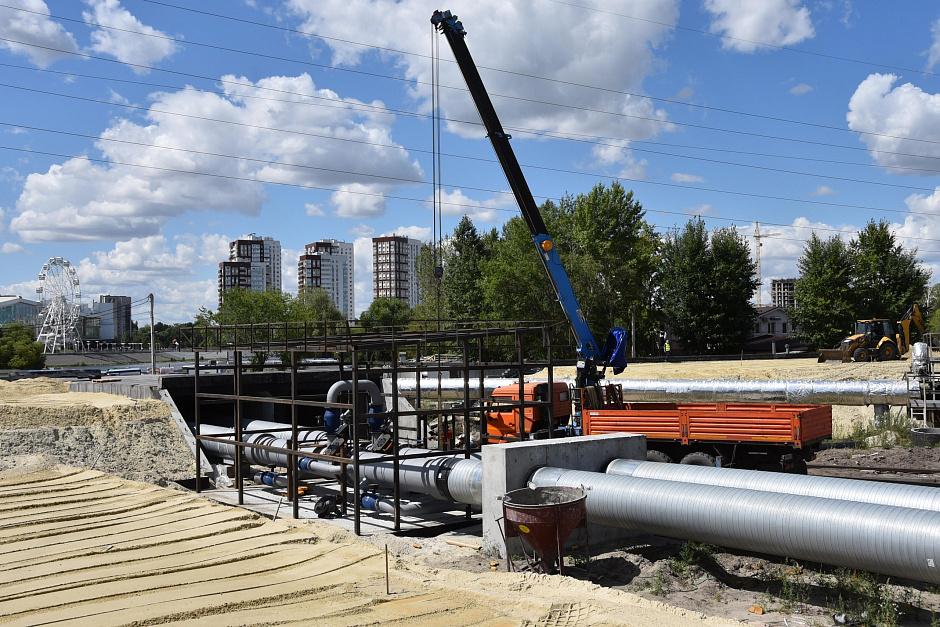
{"points": [[876, 339]]}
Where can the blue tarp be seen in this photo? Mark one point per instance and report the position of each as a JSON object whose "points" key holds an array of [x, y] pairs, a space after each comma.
{"points": [[615, 347]]}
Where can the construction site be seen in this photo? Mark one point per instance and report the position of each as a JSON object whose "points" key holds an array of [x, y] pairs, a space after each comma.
{"points": [[363, 489], [465, 474]]}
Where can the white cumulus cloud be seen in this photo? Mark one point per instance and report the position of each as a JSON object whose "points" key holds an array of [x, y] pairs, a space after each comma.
{"points": [[746, 24], [356, 200], [822, 190], [679, 177], [125, 38], [885, 115], [313, 210], [572, 44], [86, 201], [799, 90], [155, 264], [456, 203], [33, 33], [933, 55], [10, 248]]}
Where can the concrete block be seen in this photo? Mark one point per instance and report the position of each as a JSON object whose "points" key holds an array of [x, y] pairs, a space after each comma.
{"points": [[506, 467]]}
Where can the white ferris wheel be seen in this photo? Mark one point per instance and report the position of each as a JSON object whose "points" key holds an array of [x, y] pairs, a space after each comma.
{"points": [[61, 296]]}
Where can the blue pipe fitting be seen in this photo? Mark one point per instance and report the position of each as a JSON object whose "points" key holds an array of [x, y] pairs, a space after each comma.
{"points": [[330, 421]]}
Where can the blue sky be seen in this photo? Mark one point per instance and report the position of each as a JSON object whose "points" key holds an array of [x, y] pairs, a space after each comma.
{"points": [[137, 138]]}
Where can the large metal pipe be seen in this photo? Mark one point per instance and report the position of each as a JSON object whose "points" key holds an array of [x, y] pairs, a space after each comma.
{"points": [[894, 494], [894, 541], [449, 478], [876, 392]]}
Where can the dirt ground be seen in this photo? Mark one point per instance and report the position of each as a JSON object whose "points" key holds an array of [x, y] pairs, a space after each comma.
{"points": [[645, 581]]}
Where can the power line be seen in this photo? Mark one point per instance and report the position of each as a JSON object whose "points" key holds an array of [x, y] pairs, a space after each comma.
{"points": [[567, 136], [453, 185], [394, 197], [396, 78]]}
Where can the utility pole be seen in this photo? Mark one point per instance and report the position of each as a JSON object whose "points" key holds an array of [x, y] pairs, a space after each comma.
{"points": [[757, 239], [153, 350]]}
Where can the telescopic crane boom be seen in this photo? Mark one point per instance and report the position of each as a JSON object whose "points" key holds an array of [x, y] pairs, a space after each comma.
{"points": [[590, 355]]}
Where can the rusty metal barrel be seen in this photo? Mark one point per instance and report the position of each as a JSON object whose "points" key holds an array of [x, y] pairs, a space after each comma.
{"points": [[544, 518]]}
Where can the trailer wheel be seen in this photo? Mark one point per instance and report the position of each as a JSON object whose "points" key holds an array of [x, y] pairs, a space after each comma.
{"points": [[658, 456], [699, 459]]}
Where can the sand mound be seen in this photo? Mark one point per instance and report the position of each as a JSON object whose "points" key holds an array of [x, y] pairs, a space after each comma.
{"points": [[42, 423], [11, 390]]}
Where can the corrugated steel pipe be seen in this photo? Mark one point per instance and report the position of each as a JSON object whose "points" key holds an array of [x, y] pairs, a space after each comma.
{"points": [[895, 541], [874, 392], [771, 391], [894, 494], [449, 478]]}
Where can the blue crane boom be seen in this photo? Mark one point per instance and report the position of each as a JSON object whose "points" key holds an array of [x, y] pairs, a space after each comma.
{"points": [[590, 355]]}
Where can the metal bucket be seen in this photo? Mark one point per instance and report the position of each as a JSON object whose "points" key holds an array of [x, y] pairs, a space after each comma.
{"points": [[544, 518]]}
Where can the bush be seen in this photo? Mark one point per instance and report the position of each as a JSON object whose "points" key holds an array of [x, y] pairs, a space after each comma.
{"points": [[19, 349]]}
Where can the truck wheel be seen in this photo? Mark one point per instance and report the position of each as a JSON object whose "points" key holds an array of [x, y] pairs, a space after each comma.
{"points": [[698, 459], [658, 456], [799, 467], [860, 354], [888, 351]]}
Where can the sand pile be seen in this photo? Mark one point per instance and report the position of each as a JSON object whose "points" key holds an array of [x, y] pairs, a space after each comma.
{"points": [[42, 422]]}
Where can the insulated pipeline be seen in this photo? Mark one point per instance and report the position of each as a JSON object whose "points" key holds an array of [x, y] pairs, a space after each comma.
{"points": [[450, 478], [876, 392], [894, 494], [894, 541]]}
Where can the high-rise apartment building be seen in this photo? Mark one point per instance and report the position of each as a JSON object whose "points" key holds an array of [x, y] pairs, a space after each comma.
{"points": [[393, 261], [118, 321], [330, 264], [254, 263], [781, 293]]}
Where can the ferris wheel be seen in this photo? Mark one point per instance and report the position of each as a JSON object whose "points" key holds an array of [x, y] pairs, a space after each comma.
{"points": [[61, 296]]}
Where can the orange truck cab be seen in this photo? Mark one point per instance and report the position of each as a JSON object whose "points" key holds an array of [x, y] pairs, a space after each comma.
{"points": [[502, 421]]}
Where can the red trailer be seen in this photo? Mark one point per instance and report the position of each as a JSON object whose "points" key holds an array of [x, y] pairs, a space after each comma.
{"points": [[752, 435]]}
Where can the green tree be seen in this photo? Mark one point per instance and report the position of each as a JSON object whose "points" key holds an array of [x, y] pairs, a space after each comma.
{"points": [[247, 307], [705, 286], [19, 349], [386, 315], [887, 279], [312, 305], [515, 286], [825, 303], [461, 285], [612, 256]]}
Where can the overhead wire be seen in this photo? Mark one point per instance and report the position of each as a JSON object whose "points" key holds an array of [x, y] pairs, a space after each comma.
{"points": [[567, 136], [448, 203], [397, 78], [552, 80], [654, 152]]}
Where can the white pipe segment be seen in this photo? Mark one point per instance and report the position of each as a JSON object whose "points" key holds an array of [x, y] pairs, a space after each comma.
{"points": [[876, 392], [894, 541], [445, 477], [878, 493]]}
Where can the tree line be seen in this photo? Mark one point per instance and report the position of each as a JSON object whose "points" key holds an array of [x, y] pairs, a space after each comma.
{"points": [[690, 284]]}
